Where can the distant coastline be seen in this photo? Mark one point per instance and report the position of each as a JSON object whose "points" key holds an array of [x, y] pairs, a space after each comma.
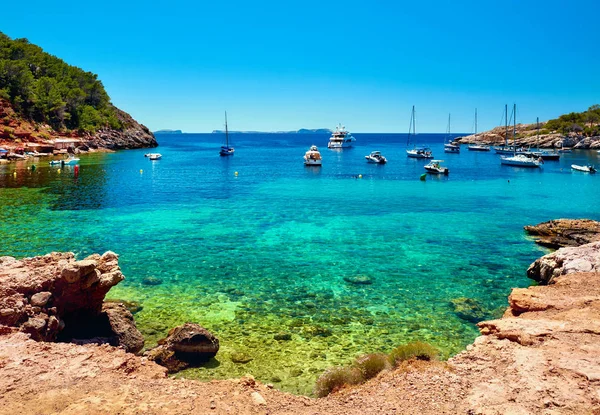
{"points": [[168, 132], [300, 131]]}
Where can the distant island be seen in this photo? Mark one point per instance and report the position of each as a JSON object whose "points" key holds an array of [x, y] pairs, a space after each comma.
{"points": [[300, 131], [168, 132]]}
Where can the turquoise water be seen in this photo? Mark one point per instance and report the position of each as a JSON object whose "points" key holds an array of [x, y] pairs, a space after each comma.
{"points": [[267, 251]]}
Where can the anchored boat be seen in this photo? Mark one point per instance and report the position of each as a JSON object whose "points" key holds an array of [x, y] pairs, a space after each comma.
{"points": [[313, 157], [376, 157]]}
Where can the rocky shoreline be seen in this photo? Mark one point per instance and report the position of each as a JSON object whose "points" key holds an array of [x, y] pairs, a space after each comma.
{"points": [[527, 137], [541, 357]]}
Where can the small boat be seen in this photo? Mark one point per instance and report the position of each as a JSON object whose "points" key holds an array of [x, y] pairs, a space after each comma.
{"points": [[450, 147], [416, 152], [587, 169], [475, 146], [71, 161], [312, 157], [340, 138], [154, 156], [521, 160], [435, 167], [539, 153], [376, 157], [226, 150]]}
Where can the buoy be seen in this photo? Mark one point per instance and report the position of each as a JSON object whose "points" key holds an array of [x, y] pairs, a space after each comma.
{"points": [[58, 171], [235, 174], [76, 170], [33, 167], [360, 176], [423, 177], [141, 171], [14, 173]]}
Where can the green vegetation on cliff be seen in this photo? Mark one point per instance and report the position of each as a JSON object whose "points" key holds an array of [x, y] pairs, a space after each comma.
{"points": [[44, 88], [586, 123]]}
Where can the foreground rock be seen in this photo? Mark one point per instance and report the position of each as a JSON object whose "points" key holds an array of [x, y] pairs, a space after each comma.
{"points": [[565, 232], [184, 346], [55, 297], [585, 258]]}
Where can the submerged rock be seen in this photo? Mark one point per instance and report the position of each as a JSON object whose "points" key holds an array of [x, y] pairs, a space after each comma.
{"points": [[186, 345], [282, 336], [241, 357], [151, 281], [359, 280], [469, 309]]}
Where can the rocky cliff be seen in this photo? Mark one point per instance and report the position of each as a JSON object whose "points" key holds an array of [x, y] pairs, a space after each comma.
{"points": [[541, 357], [527, 136]]}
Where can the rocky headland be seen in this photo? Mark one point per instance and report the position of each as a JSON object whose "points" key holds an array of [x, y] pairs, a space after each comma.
{"points": [[527, 136], [541, 357]]}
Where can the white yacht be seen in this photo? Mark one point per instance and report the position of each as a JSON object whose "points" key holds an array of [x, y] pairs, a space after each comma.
{"points": [[420, 153], [312, 157], [154, 156], [376, 157], [521, 160], [435, 167], [341, 138]]}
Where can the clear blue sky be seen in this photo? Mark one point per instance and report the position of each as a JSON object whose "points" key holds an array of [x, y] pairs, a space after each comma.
{"points": [[283, 65]]}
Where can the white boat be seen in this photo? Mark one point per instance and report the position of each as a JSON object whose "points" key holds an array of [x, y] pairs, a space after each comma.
{"points": [[435, 167], [341, 138], [312, 157], [416, 152], [587, 169], [376, 157], [476, 146], [226, 150], [520, 160], [71, 161], [154, 156], [539, 153], [450, 147]]}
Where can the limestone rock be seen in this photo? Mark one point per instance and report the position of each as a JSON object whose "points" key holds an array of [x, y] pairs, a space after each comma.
{"points": [[585, 258], [123, 326], [40, 299], [565, 232], [189, 344]]}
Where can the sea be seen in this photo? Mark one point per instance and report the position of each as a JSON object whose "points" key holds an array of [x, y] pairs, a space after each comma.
{"points": [[257, 246]]}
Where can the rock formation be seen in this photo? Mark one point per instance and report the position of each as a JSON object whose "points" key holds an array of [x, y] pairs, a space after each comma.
{"points": [[585, 258], [565, 232], [185, 346], [54, 297]]}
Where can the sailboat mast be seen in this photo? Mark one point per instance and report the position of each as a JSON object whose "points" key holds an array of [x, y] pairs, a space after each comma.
{"points": [[411, 125], [475, 120], [515, 129], [537, 124], [226, 131], [506, 125]]}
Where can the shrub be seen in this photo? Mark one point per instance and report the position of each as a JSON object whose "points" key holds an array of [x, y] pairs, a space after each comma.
{"points": [[371, 364], [335, 378], [415, 350]]}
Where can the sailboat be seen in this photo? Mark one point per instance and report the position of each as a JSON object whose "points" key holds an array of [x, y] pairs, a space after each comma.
{"points": [[226, 150], [506, 149], [519, 159], [544, 154], [450, 147], [478, 147], [416, 152]]}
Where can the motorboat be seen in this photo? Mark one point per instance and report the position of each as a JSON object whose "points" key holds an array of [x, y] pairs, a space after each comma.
{"points": [[71, 161], [479, 147], [226, 150], [312, 157], [341, 138], [154, 156], [420, 153], [435, 167], [376, 157], [451, 148], [587, 169], [521, 160]]}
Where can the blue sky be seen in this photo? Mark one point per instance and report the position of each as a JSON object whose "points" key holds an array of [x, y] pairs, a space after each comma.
{"points": [[284, 65]]}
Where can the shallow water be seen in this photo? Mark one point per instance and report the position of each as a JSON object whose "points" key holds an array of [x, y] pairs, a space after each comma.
{"points": [[267, 251]]}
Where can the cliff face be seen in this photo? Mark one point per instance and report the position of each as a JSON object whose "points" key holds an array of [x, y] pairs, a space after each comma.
{"points": [[527, 136], [17, 131]]}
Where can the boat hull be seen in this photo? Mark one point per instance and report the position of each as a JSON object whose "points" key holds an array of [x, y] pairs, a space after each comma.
{"points": [[520, 162], [585, 169], [479, 148], [335, 144], [433, 170]]}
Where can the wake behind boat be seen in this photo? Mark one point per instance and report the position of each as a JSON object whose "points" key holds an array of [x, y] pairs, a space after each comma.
{"points": [[313, 157], [341, 138]]}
